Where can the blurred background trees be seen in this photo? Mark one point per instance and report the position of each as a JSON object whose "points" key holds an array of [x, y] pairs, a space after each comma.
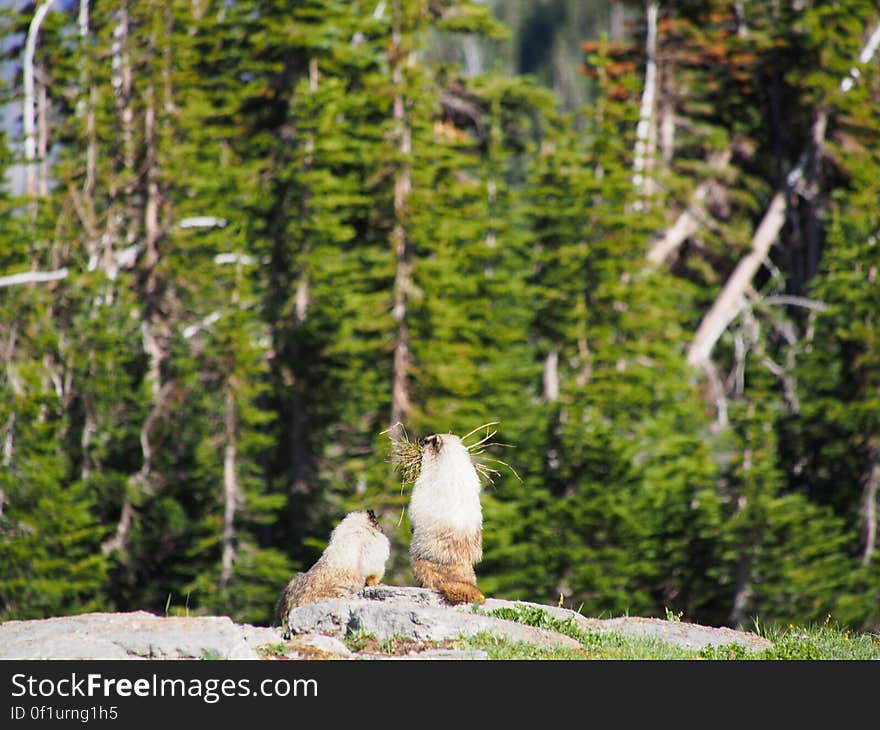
{"points": [[242, 240]]}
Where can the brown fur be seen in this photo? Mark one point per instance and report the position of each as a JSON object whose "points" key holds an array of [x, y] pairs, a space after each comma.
{"points": [[442, 554], [446, 546], [444, 561], [456, 582], [354, 557], [318, 585]]}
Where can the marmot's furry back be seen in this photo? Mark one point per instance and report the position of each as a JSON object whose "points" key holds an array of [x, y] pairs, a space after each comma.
{"points": [[354, 557]]}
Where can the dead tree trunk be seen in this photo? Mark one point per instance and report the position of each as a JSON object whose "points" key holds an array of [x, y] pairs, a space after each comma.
{"points": [[732, 297], [152, 321], [230, 486], [402, 185], [8, 451], [691, 219], [551, 375], [643, 150], [869, 507], [29, 101]]}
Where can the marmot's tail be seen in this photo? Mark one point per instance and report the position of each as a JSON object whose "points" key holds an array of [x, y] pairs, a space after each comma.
{"points": [[455, 592]]}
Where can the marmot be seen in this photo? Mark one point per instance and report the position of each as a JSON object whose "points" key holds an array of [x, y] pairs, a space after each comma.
{"points": [[447, 520], [354, 557]]}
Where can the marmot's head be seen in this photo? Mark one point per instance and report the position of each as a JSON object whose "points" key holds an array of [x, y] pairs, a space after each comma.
{"points": [[444, 455], [442, 446], [358, 543]]}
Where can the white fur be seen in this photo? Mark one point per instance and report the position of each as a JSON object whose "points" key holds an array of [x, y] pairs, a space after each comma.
{"points": [[357, 545], [447, 491]]}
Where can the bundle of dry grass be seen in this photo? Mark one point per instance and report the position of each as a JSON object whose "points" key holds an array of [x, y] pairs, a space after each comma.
{"points": [[406, 454]]}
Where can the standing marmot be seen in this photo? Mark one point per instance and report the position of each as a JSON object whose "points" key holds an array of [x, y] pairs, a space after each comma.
{"points": [[355, 557], [447, 520]]}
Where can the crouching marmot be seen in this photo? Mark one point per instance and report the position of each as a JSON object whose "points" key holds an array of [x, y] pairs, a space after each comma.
{"points": [[354, 557], [447, 520]]}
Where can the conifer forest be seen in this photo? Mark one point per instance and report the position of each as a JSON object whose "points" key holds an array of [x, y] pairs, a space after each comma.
{"points": [[240, 240]]}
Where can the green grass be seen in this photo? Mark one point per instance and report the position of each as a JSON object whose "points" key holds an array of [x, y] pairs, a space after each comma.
{"points": [[820, 643], [824, 642]]}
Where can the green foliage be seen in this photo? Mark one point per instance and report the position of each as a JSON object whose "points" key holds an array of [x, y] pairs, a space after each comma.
{"points": [[257, 202]]}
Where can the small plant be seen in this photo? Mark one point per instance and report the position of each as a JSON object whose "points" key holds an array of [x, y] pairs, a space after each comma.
{"points": [[539, 618], [272, 650], [729, 652], [359, 641], [671, 616]]}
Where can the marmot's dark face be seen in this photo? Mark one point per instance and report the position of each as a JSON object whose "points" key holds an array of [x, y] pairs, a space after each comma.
{"points": [[432, 443]]}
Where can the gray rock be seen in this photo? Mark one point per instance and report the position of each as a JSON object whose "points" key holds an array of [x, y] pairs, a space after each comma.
{"points": [[408, 595], [328, 645], [680, 633], [396, 615], [684, 634], [386, 612], [432, 654], [137, 635]]}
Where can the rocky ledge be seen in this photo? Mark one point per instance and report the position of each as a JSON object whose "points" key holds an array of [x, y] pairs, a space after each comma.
{"points": [[413, 620]]}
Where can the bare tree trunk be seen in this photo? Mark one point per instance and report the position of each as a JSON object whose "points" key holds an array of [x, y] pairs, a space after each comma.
{"points": [[299, 422], [9, 434], [121, 81], [869, 507], [402, 185], [88, 188], [230, 486], [151, 323], [643, 151], [617, 22], [730, 301], [301, 299], [742, 593], [691, 219], [33, 277], [29, 122], [83, 18], [551, 375], [42, 139], [473, 57], [732, 297], [125, 86], [667, 115], [90, 428]]}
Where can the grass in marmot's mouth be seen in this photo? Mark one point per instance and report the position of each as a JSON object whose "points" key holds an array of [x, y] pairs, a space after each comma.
{"points": [[478, 448], [406, 454]]}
